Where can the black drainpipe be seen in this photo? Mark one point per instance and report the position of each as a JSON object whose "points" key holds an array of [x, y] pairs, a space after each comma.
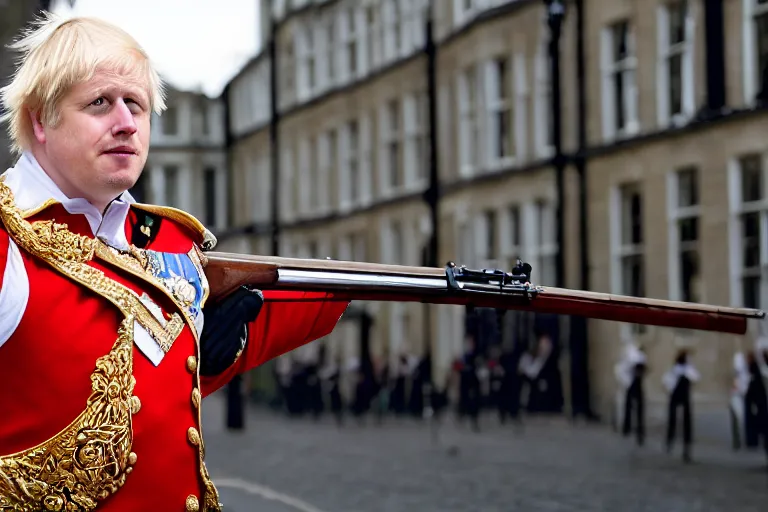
{"points": [[274, 143], [579, 342]]}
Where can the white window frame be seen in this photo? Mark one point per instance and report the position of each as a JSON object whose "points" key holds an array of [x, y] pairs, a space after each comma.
{"points": [[675, 214], [389, 136], [392, 21], [470, 120], [666, 52], [288, 184], [367, 150], [327, 161], [514, 100], [416, 140], [350, 157], [324, 47], [512, 245], [487, 254], [305, 176], [347, 44], [306, 62], [374, 34], [263, 179], [737, 208], [463, 14], [619, 250], [543, 212], [609, 69], [752, 74]]}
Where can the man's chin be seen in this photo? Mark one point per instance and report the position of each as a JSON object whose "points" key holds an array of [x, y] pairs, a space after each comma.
{"points": [[122, 179]]}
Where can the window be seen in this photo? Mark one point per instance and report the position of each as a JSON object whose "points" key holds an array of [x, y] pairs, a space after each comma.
{"points": [[500, 108], [394, 248], [393, 33], [209, 192], [415, 111], [619, 96], [353, 160], [314, 175], [631, 241], [328, 35], [359, 250], [490, 251], [675, 73], [204, 118], [756, 51], [486, 238], [288, 183], [306, 61], [751, 243], [350, 45], [422, 137], [469, 123], [305, 182], [464, 10], [684, 236], [375, 33], [512, 238], [170, 121], [545, 249], [171, 178], [327, 176], [287, 63], [391, 145]]}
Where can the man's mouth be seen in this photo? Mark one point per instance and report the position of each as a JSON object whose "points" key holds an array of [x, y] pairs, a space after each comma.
{"points": [[121, 150]]}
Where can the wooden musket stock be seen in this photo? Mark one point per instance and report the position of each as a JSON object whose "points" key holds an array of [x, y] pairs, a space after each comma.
{"points": [[345, 280]]}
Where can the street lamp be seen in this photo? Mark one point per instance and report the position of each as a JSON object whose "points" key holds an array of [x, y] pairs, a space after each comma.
{"points": [[555, 15]]}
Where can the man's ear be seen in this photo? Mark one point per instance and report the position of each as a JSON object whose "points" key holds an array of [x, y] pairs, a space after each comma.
{"points": [[37, 125]]}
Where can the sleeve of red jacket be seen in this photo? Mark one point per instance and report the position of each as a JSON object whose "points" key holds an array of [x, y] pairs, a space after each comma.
{"points": [[287, 320]]}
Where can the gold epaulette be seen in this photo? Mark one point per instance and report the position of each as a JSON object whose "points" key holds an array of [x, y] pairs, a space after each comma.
{"points": [[202, 236]]}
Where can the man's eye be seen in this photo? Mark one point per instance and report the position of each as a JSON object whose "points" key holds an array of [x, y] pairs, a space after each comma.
{"points": [[98, 102]]}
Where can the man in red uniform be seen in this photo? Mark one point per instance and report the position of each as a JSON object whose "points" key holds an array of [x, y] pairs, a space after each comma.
{"points": [[107, 341]]}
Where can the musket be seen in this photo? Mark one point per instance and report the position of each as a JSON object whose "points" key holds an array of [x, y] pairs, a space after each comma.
{"points": [[458, 285]]}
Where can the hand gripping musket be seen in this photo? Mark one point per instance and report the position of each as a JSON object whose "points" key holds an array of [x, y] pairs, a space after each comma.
{"points": [[458, 285]]}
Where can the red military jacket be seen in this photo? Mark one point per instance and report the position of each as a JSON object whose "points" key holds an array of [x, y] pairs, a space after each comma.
{"points": [[99, 357]]}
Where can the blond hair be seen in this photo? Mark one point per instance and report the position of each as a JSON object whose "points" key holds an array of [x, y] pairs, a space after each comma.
{"points": [[59, 53]]}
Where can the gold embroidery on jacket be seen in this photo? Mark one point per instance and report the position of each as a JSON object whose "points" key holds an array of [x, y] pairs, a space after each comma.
{"points": [[69, 253], [88, 460]]}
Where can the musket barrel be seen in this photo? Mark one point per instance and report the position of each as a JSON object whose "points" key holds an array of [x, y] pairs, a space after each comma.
{"points": [[344, 280]]}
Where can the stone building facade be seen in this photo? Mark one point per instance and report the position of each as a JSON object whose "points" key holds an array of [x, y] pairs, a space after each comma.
{"points": [[675, 158], [187, 163]]}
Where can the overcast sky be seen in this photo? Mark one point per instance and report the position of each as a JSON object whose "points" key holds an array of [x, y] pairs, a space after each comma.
{"points": [[193, 42]]}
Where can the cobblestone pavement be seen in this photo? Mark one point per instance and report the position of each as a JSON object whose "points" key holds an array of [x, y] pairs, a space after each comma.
{"points": [[282, 465]]}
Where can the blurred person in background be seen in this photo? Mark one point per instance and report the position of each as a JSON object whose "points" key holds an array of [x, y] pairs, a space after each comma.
{"points": [[679, 382], [630, 372]]}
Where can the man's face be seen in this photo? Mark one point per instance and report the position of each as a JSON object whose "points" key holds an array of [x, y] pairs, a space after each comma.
{"points": [[99, 147]]}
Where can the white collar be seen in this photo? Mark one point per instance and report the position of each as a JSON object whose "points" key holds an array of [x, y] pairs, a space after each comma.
{"points": [[33, 190]]}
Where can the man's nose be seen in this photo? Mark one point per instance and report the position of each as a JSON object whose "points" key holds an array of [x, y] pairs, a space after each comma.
{"points": [[124, 122]]}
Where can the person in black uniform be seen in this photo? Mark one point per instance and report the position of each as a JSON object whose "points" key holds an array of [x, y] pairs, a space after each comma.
{"points": [[635, 369], [755, 404], [679, 381]]}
